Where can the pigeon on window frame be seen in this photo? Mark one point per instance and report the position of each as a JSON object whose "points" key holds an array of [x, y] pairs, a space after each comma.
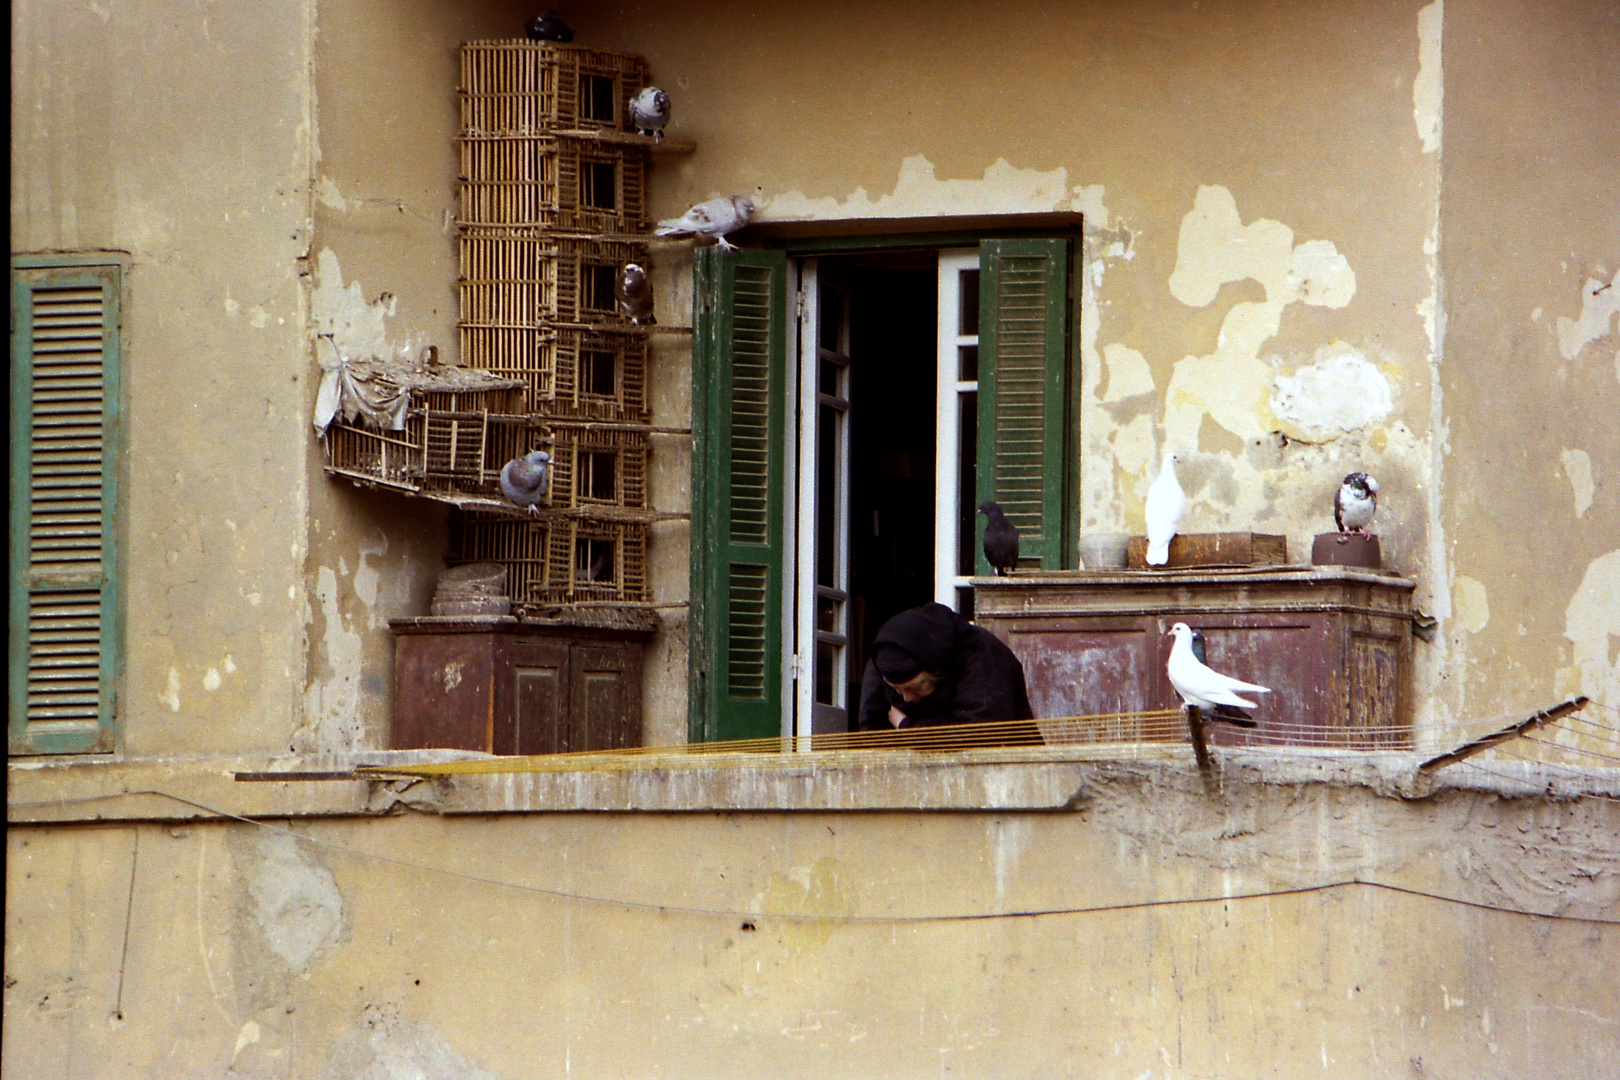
{"points": [[1200, 685], [649, 111], [715, 218], [1166, 503], [634, 295], [1354, 505], [526, 481], [548, 26], [1000, 539]]}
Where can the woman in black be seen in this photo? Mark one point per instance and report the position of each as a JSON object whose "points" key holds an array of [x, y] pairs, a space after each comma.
{"points": [[930, 666]]}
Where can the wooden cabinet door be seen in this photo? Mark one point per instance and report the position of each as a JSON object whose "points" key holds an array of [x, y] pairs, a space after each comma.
{"points": [[540, 700], [605, 685]]}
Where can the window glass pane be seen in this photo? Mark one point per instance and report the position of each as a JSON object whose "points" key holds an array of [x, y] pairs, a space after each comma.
{"points": [[826, 663], [967, 363], [964, 602], [968, 321], [967, 479], [827, 615], [827, 378], [828, 420], [832, 311]]}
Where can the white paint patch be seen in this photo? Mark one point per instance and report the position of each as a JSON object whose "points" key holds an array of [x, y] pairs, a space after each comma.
{"points": [[1128, 373], [918, 192], [211, 680], [366, 577], [357, 326], [387, 1048], [245, 1038], [1428, 89], [332, 701], [1600, 304], [327, 193], [1338, 394], [1471, 604], [171, 693], [1578, 469], [296, 901], [1592, 624], [230, 664]]}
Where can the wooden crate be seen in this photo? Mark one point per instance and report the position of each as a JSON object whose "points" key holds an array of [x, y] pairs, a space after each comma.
{"points": [[520, 87], [523, 281], [556, 562], [566, 185]]}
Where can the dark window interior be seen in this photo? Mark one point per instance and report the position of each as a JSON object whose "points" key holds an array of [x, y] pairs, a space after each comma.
{"points": [[597, 470], [593, 560], [598, 185], [596, 98], [596, 285], [598, 376]]}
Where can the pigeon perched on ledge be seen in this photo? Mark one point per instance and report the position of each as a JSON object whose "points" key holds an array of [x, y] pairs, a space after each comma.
{"points": [[634, 295], [1000, 539], [649, 111], [1355, 504], [1166, 503], [526, 481], [715, 218], [1200, 685]]}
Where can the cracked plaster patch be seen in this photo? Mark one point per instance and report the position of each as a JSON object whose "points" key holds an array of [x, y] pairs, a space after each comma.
{"points": [[1600, 304], [1340, 393], [1428, 89], [1578, 469]]}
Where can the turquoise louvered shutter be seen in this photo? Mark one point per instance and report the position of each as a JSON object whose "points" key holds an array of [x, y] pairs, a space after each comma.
{"points": [[739, 440], [1026, 452], [64, 435]]}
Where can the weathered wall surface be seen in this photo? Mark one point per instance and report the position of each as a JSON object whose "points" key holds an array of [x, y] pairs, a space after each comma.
{"points": [[252, 953], [179, 134], [1530, 254]]}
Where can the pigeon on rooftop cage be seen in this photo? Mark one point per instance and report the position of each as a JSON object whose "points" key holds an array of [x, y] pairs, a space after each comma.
{"points": [[1201, 686], [548, 26], [1355, 504], [1166, 503], [526, 481], [649, 111], [715, 218], [634, 295], [1000, 539]]}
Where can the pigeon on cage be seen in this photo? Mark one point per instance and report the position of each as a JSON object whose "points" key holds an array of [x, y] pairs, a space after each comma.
{"points": [[548, 26], [1166, 503], [1355, 504], [715, 218], [649, 111], [1000, 539], [634, 294], [526, 481], [1201, 686]]}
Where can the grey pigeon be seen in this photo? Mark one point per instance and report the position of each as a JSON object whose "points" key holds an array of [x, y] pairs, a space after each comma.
{"points": [[1165, 505], [649, 111], [548, 26], [1000, 539], [527, 480], [1230, 713], [635, 295], [1354, 505], [715, 218], [1199, 685]]}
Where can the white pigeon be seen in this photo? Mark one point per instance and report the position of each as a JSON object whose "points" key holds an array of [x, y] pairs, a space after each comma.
{"points": [[527, 480], [715, 218], [649, 111], [1166, 503], [1354, 505], [1201, 685]]}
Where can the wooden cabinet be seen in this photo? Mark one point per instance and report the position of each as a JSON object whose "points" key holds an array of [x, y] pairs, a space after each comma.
{"points": [[1333, 643], [508, 687]]}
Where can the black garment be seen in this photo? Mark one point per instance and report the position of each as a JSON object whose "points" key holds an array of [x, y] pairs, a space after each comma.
{"points": [[979, 677]]}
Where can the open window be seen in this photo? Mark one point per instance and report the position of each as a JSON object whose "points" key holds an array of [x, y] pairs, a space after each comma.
{"points": [[841, 449]]}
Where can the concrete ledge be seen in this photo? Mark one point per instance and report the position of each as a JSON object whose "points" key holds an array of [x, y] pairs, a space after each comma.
{"points": [[1002, 780]]}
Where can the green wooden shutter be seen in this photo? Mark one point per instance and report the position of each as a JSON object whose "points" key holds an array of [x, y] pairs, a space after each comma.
{"points": [[1026, 447], [739, 437], [64, 425]]}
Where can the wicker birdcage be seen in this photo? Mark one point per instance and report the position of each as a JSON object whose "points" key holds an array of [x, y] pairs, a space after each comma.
{"points": [[515, 87], [566, 185], [513, 281], [551, 563], [598, 374], [454, 440], [593, 466]]}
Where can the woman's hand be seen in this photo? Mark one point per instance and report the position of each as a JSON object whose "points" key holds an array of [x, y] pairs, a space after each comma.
{"points": [[896, 716]]}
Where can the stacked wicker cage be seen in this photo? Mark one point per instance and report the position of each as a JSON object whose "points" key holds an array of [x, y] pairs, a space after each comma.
{"points": [[553, 205]]}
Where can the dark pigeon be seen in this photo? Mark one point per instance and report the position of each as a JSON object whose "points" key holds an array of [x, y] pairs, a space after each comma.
{"points": [[1230, 713], [1000, 539], [635, 295], [548, 26]]}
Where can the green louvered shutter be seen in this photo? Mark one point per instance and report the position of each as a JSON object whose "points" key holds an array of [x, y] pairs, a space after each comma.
{"points": [[64, 425], [1025, 453], [739, 437]]}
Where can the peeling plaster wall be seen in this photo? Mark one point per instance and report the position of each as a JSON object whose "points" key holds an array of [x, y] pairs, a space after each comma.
{"points": [[251, 953], [180, 135], [1530, 257]]}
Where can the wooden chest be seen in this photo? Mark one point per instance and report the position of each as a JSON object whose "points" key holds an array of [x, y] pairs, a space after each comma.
{"points": [[1333, 643], [508, 687]]}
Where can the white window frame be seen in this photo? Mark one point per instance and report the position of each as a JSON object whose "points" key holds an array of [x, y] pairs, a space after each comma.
{"points": [[947, 425]]}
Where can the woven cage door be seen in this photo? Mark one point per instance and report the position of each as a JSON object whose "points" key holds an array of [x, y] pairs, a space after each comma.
{"points": [[1025, 444], [64, 424], [738, 478]]}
